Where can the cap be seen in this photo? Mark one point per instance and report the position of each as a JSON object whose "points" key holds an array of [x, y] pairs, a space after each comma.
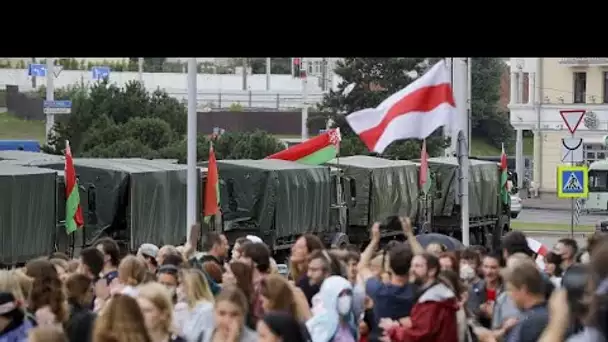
{"points": [[148, 249], [254, 239]]}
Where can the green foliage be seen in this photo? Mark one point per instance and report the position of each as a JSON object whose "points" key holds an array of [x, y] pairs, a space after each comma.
{"points": [[112, 122], [489, 121], [375, 79]]}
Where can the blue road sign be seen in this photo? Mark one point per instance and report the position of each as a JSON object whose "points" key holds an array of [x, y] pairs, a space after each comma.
{"points": [[38, 70], [57, 107], [101, 72], [572, 181]]}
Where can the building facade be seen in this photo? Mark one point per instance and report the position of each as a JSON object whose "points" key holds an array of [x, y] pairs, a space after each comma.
{"points": [[557, 84]]}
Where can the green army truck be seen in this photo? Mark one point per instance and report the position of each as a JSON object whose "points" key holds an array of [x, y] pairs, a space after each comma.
{"points": [[27, 213], [376, 189], [136, 200], [489, 218], [276, 200]]}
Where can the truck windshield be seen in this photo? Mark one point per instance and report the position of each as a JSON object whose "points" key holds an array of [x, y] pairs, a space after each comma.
{"points": [[598, 180]]}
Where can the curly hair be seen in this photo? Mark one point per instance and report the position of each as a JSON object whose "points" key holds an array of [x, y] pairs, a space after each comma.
{"points": [[122, 321], [47, 289]]}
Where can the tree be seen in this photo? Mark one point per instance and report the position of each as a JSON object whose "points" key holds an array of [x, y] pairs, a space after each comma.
{"points": [[112, 122], [375, 79], [488, 120]]}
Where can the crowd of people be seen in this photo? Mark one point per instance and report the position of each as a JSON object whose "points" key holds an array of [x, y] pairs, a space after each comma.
{"points": [[401, 291]]}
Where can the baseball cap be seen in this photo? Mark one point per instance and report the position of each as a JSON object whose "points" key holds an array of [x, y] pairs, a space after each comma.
{"points": [[148, 249]]}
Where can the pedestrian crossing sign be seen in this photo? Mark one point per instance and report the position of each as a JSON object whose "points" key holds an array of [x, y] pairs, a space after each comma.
{"points": [[572, 181]]}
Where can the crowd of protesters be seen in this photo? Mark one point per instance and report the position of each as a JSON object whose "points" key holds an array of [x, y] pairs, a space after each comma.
{"points": [[398, 292]]}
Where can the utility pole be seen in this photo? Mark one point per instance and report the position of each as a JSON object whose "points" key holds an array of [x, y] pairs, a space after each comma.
{"points": [[304, 76], [192, 170], [140, 69], [268, 73], [244, 74], [50, 94], [34, 77]]}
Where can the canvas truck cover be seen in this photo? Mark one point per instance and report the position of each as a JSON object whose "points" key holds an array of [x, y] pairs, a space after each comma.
{"points": [[27, 212], [158, 196], [293, 198], [384, 187], [483, 186], [25, 158], [144, 193]]}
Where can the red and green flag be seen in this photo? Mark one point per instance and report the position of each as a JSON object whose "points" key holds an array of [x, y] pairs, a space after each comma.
{"points": [[424, 176], [314, 151], [73, 210], [212, 189], [504, 187]]}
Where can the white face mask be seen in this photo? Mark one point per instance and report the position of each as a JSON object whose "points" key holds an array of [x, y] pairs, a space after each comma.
{"points": [[467, 272], [345, 304]]}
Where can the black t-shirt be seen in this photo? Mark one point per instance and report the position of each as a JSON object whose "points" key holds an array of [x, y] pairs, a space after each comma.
{"points": [[309, 290]]}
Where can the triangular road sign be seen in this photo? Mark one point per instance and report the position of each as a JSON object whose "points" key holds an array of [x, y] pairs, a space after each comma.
{"points": [[572, 118], [573, 184], [57, 69]]}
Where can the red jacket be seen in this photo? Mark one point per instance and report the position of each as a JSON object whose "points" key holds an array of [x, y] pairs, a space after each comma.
{"points": [[433, 318]]}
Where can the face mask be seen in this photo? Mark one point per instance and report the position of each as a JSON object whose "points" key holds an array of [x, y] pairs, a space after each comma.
{"points": [[171, 290], [467, 272], [344, 305]]}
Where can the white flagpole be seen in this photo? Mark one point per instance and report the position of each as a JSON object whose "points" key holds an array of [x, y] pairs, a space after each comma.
{"points": [[460, 85], [192, 174]]}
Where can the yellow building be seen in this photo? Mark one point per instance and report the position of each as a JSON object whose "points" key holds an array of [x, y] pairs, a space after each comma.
{"points": [[557, 84]]}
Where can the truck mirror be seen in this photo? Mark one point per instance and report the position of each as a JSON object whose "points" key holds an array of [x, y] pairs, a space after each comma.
{"points": [[438, 184], [232, 204], [353, 192], [92, 204]]}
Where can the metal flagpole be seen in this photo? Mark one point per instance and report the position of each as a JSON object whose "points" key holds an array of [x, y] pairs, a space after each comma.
{"points": [[192, 173], [460, 84], [304, 75]]}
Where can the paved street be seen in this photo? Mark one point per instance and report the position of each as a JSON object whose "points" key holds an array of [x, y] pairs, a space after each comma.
{"points": [[555, 216]]}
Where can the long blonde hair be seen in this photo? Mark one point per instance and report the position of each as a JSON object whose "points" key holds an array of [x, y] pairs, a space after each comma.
{"points": [[9, 282], [195, 286], [158, 295]]}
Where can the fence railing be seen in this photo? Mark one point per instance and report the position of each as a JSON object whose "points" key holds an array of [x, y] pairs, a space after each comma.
{"points": [[250, 99]]}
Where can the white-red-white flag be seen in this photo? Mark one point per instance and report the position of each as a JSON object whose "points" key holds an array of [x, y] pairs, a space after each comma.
{"points": [[413, 112]]}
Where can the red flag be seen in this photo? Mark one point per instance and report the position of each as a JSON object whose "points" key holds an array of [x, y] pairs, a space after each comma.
{"points": [[211, 187], [73, 210]]}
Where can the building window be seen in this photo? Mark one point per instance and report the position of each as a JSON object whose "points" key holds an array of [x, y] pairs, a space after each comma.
{"points": [[594, 152], [580, 87], [605, 87]]}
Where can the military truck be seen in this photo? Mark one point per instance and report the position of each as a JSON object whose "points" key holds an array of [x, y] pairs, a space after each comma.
{"points": [[277, 200], [136, 200], [489, 218], [375, 189], [27, 213]]}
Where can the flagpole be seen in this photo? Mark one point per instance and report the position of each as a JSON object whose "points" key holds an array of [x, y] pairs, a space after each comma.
{"points": [[460, 85], [192, 173]]}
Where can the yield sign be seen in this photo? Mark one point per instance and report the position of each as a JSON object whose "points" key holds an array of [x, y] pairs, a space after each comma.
{"points": [[572, 118]]}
